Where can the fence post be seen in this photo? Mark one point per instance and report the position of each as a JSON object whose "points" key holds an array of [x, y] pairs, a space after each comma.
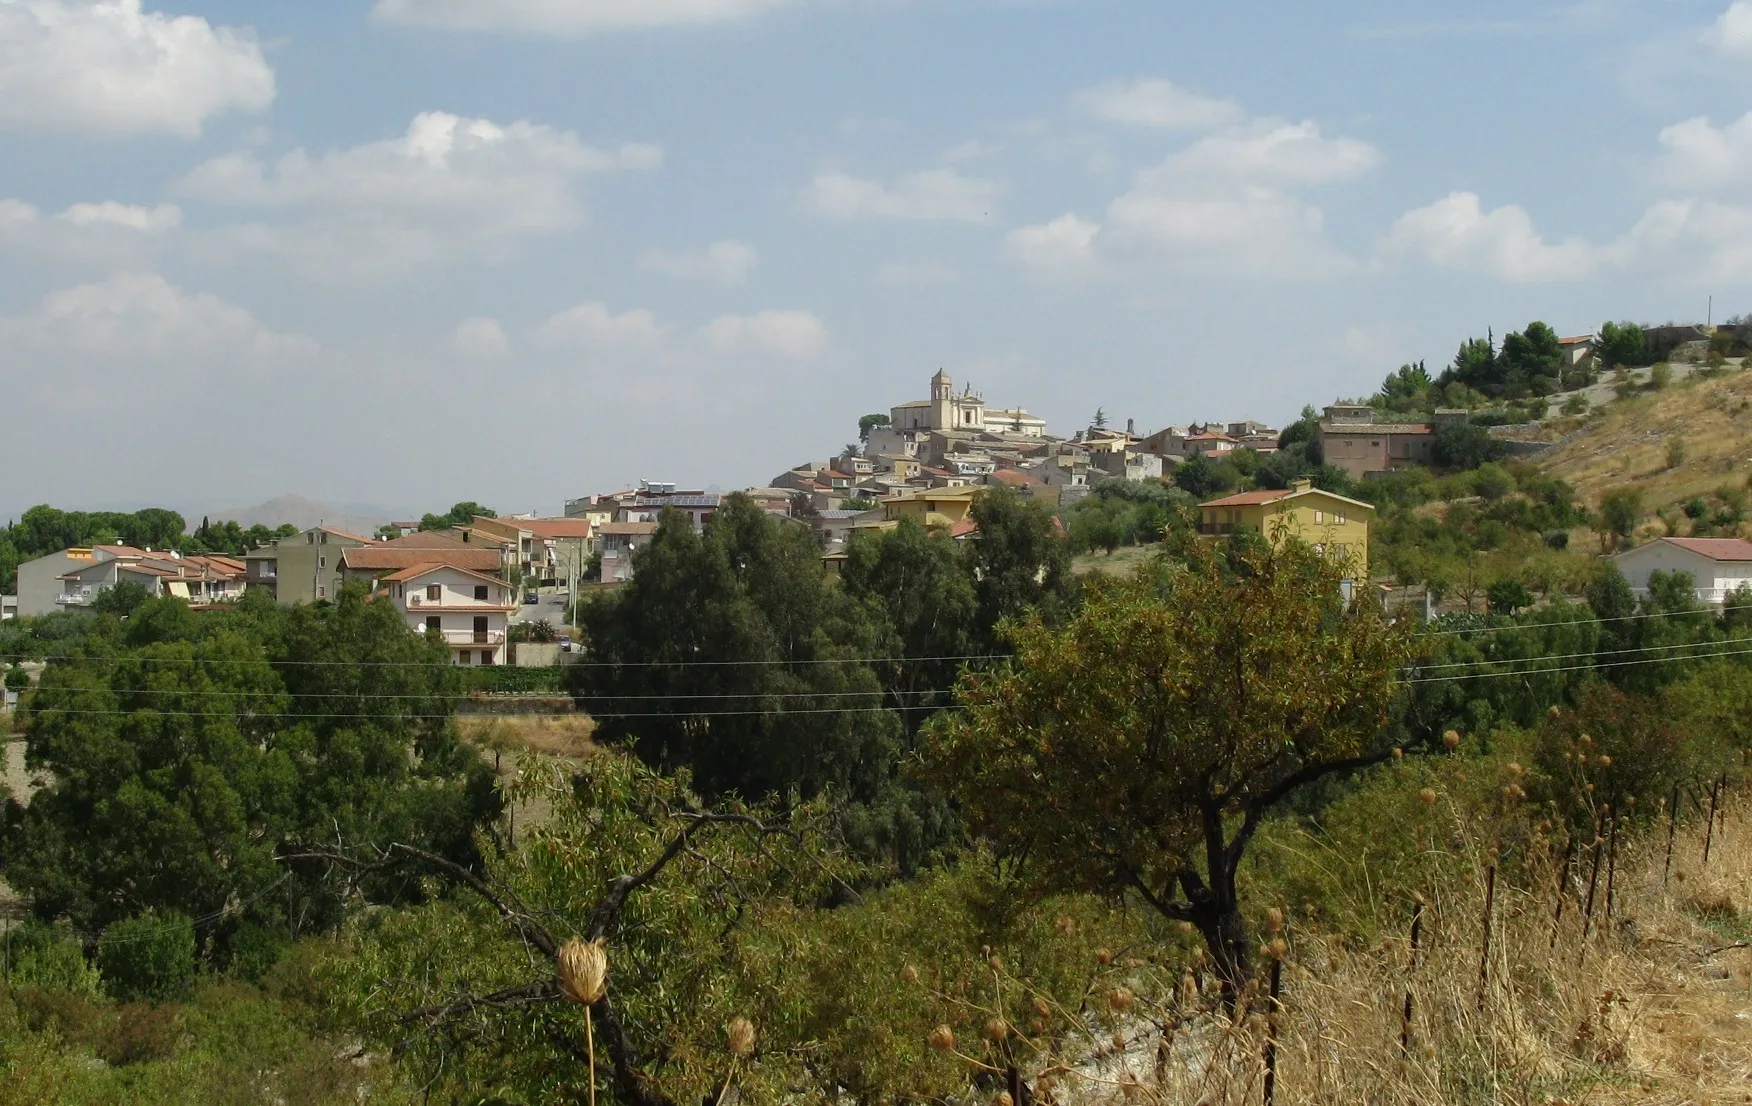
{"points": [[1417, 916], [1271, 1028], [1569, 854], [1672, 828], [1715, 795], [1484, 956]]}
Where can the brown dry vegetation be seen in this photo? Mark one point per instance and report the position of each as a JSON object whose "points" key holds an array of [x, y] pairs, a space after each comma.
{"points": [[1625, 443], [1653, 1006], [565, 736]]}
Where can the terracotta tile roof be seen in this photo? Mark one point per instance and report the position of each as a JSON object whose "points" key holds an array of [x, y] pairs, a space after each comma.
{"points": [[345, 534], [1716, 549], [554, 527], [379, 556], [629, 529], [424, 539], [1015, 478], [414, 572], [1249, 499]]}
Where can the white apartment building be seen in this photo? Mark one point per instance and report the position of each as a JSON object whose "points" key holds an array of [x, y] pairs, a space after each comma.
{"points": [[470, 610]]}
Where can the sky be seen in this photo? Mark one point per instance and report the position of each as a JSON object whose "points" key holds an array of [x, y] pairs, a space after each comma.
{"points": [[412, 252]]}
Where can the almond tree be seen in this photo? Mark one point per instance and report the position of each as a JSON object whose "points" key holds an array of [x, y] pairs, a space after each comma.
{"points": [[1136, 750]]}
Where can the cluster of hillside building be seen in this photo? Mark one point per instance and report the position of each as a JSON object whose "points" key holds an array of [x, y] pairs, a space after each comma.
{"points": [[930, 462]]}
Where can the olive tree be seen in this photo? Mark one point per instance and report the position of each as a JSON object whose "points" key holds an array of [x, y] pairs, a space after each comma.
{"points": [[1136, 750]]}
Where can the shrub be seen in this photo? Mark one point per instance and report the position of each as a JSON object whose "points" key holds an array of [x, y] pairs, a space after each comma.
{"points": [[150, 956], [254, 952], [38, 955], [1660, 376], [75, 1018], [1576, 404], [1557, 539], [141, 1032], [1508, 595], [1675, 452]]}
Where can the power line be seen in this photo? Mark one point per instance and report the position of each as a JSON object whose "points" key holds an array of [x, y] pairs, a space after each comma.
{"points": [[1570, 622], [444, 664], [228, 694], [284, 717], [1578, 656], [1582, 667]]}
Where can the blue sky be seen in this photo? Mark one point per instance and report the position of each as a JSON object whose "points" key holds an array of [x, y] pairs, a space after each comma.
{"points": [[408, 252]]}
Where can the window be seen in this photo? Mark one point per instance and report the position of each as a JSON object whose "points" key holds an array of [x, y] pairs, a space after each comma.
{"points": [[435, 623], [1339, 518], [1319, 517], [321, 591], [1375, 445], [481, 593], [465, 657], [322, 562], [324, 538], [487, 657], [434, 592]]}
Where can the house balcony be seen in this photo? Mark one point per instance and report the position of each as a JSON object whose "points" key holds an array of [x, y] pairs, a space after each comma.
{"points": [[1216, 529], [463, 639], [75, 600]]}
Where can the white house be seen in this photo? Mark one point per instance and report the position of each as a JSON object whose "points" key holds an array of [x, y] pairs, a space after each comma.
{"points": [[470, 609], [8, 607], [1718, 565], [617, 542]]}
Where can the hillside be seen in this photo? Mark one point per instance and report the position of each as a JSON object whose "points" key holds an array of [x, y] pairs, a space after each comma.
{"points": [[1628, 442]]}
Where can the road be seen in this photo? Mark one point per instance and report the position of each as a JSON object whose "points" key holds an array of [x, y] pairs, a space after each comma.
{"points": [[552, 607]]}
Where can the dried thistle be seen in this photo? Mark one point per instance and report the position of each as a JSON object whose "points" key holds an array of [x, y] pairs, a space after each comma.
{"points": [[583, 971], [942, 1039], [1043, 1008], [739, 1035], [1276, 949], [1398, 754], [1002, 1098], [1120, 1000], [1451, 739], [1104, 957], [1515, 770], [1429, 796], [997, 1030], [1274, 921], [910, 974], [1065, 925]]}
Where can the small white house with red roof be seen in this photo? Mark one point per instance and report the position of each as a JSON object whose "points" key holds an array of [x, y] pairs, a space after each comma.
{"points": [[1717, 565], [470, 610]]}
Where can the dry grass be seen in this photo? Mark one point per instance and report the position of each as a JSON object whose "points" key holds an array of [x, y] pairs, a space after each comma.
{"points": [[1653, 1006], [1121, 562], [1626, 443], [565, 736]]}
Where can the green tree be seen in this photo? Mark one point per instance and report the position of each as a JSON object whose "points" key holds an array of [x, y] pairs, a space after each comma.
{"points": [[870, 422], [1020, 562], [1099, 422], [1463, 446], [1475, 367], [152, 956], [1621, 511], [1533, 359], [1622, 345], [1507, 596], [1137, 750], [758, 660], [121, 600], [462, 514], [1202, 478]]}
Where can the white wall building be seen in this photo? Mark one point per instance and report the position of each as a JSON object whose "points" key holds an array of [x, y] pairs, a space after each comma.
{"points": [[470, 609], [1718, 565]]}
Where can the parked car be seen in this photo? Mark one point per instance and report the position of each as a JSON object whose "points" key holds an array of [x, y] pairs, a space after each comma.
{"points": [[565, 641], [530, 598]]}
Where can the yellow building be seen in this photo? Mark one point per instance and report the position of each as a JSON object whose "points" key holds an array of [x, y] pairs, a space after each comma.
{"points": [[953, 504], [1329, 522]]}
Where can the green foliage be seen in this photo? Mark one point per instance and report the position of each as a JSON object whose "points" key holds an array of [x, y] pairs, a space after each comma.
{"points": [[1167, 714], [782, 646], [1508, 595], [1623, 345], [1660, 376], [1203, 478], [540, 631], [463, 514], [17, 679], [152, 956], [185, 755], [36, 954], [1126, 512], [1461, 446], [508, 679], [1621, 511], [121, 600], [868, 423], [1675, 451], [859, 505]]}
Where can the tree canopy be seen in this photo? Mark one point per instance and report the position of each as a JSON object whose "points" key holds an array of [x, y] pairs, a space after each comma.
{"points": [[1137, 749]]}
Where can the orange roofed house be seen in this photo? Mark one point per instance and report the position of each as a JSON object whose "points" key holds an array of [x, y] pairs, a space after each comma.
{"points": [[1332, 523], [470, 610]]}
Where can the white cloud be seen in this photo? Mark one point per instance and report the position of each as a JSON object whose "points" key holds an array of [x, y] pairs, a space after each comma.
{"points": [[1701, 241], [1698, 156], [1731, 35], [1456, 232], [593, 327], [1153, 102], [1063, 247], [143, 318], [913, 274], [566, 17], [448, 182], [1268, 152], [1374, 344], [150, 220], [111, 68], [935, 194], [480, 339], [110, 233], [727, 263], [794, 334]]}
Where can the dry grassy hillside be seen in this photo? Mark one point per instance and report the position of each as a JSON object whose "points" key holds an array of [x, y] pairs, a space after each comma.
{"points": [[1627, 442]]}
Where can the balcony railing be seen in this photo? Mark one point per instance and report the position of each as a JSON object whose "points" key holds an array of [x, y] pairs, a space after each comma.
{"points": [[67, 600], [1216, 529], [473, 637]]}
